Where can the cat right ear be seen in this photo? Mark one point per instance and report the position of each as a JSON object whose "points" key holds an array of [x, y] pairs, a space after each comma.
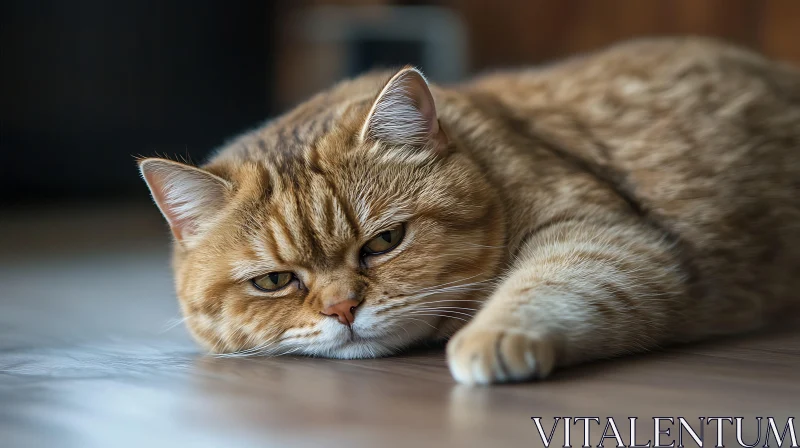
{"points": [[404, 113], [188, 197]]}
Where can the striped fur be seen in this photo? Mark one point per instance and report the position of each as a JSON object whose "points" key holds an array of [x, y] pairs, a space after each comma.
{"points": [[613, 203]]}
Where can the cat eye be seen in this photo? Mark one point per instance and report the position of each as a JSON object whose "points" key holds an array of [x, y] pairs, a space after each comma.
{"points": [[273, 281], [384, 241]]}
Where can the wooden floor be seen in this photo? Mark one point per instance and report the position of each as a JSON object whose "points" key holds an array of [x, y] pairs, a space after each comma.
{"points": [[92, 354]]}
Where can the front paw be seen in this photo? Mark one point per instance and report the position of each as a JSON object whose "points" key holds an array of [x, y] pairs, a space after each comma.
{"points": [[485, 356]]}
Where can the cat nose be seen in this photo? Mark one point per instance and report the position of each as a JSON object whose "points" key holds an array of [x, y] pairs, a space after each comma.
{"points": [[345, 311]]}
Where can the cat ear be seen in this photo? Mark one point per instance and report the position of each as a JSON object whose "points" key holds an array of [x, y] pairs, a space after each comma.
{"points": [[404, 113], [188, 197]]}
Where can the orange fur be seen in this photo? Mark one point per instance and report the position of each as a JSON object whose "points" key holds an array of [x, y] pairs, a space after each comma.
{"points": [[617, 202]]}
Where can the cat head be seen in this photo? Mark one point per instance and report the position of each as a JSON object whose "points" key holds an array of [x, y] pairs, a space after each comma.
{"points": [[353, 226]]}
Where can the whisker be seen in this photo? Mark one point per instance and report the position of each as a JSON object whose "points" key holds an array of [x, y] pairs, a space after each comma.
{"points": [[467, 286], [267, 350], [406, 330], [421, 305], [440, 311], [286, 352], [400, 320], [450, 283], [416, 298], [453, 300], [252, 351], [450, 289], [442, 315], [419, 320], [172, 323], [446, 308]]}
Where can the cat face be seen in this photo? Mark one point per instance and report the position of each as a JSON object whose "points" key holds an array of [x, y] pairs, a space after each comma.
{"points": [[373, 235]]}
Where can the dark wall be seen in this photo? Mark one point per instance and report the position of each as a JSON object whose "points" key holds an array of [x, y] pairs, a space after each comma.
{"points": [[87, 85]]}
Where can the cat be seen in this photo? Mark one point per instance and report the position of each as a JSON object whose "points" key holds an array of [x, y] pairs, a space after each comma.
{"points": [[616, 202]]}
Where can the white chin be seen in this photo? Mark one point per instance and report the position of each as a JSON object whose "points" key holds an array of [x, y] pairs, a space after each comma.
{"points": [[363, 341], [359, 349]]}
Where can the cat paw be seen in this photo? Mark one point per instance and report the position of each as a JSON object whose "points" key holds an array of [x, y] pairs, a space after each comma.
{"points": [[485, 356]]}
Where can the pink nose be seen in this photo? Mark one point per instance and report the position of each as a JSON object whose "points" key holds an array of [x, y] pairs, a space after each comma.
{"points": [[344, 311]]}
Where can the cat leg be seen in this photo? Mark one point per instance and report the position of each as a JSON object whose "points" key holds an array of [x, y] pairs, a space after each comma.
{"points": [[577, 291]]}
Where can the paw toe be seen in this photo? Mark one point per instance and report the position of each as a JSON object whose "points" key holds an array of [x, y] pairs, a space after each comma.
{"points": [[496, 356]]}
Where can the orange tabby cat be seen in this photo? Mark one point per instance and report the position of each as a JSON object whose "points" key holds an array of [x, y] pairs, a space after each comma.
{"points": [[644, 195]]}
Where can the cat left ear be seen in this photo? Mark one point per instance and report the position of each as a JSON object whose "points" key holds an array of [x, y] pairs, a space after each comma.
{"points": [[188, 197], [404, 113]]}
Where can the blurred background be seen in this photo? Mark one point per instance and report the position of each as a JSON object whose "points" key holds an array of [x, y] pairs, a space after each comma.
{"points": [[88, 84]]}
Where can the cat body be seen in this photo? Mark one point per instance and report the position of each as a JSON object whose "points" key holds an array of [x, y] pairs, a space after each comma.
{"points": [[613, 203]]}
